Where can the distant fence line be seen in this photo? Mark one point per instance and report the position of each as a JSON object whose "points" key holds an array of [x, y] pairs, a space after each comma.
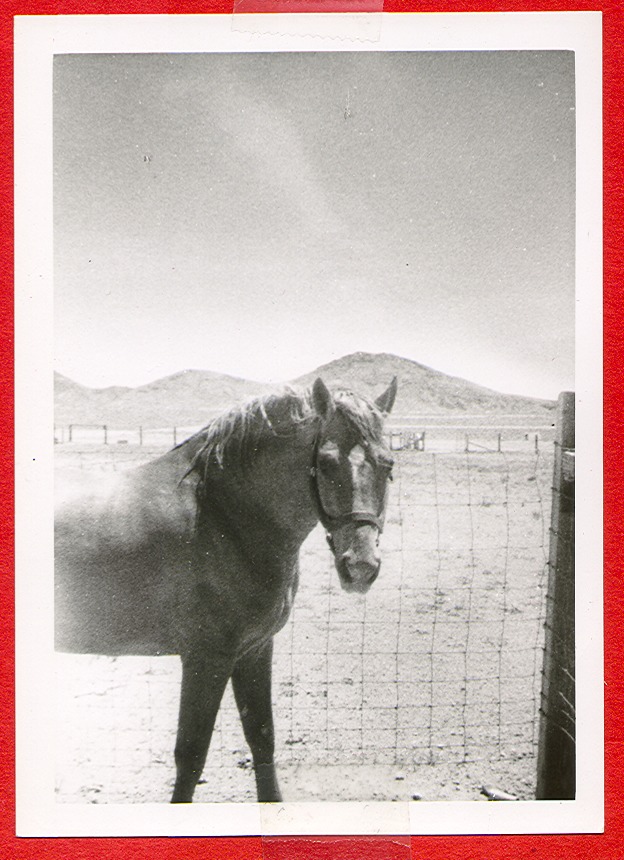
{"points": [[104, 434], [440, 437]]}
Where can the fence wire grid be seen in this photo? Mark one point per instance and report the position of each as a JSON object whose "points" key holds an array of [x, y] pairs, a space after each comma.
{"points": [[439, 663]]}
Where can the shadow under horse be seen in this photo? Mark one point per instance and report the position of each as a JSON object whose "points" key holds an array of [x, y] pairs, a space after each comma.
{"points": [[196, 553]]}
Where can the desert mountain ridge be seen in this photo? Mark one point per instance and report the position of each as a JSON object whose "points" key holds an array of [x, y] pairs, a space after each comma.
{"points": [[194, 397]]}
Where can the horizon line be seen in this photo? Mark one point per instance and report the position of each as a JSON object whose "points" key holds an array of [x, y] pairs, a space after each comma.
{"points": [[286, 382]]}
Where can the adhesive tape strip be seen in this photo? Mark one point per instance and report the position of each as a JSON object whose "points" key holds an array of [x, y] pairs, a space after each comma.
{"points": [[345, 20]]}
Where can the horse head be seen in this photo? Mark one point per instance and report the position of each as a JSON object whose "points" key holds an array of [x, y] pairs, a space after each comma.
{"points": [[350, 473]]}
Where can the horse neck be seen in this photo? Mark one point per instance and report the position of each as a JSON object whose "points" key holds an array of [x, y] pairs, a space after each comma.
{"points": [[274, 491]]}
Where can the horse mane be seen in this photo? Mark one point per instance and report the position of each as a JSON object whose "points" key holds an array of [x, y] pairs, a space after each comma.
{"points": [[237, 434], [235, 437]]}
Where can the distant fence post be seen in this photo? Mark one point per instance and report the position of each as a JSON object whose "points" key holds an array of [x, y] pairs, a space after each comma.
{"points": [[556, 757], [73, 427]]}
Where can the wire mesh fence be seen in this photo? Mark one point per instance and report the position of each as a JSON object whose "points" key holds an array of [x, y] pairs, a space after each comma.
{"points": [[440, 663]]}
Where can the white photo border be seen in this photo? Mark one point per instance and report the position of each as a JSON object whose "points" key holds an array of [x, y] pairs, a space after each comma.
{"points": [[37, 40]]}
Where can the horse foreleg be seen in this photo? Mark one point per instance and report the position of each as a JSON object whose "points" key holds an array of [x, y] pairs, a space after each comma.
{"points": [[251, 680], [203, 683]]}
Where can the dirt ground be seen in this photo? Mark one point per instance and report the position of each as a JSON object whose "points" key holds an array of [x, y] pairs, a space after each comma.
{"points": [[427, 688]]}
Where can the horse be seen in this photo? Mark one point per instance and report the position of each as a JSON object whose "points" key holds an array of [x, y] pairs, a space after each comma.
{"points": [[196, 553]]}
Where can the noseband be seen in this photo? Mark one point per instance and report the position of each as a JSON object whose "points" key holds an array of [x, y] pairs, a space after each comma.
{"points": [[331, 522]]}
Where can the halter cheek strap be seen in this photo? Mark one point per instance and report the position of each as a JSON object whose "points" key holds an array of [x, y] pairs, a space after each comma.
{"points": [[333, 521]]}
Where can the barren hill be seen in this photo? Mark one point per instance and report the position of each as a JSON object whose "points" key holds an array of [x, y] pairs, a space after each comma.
{"points": [[188, 398], [193, 397], [422, 390]]}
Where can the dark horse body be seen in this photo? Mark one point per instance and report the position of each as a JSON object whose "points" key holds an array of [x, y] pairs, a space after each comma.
{"points": [[196, 553]]}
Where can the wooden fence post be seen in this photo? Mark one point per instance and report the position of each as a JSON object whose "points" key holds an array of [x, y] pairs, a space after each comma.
{"points": [[556, 756]]}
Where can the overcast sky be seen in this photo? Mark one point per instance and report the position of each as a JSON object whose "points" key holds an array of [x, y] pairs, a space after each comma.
{"points": [[261, 214]]}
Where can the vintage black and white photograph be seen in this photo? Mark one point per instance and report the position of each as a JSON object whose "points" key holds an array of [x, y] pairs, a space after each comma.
{"points": [[315, 316]]}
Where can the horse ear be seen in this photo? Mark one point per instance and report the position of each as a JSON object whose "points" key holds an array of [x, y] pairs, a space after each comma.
{"points": [[322, 399], [385, 401]]}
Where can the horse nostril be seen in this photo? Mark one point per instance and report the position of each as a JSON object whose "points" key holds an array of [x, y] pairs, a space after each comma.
{"points": [[344, 569], [347, 557]]}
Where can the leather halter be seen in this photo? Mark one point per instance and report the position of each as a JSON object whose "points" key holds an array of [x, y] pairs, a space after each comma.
{"points": [[331, 522]]}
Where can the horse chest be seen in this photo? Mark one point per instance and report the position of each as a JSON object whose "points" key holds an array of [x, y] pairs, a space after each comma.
{"points": [[269, 611]]}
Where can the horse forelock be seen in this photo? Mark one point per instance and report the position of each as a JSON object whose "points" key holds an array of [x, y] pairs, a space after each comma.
{"points": [[361, 413]]}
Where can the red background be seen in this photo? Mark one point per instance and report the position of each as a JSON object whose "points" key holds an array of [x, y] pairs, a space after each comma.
{"points": [[572, 846]]}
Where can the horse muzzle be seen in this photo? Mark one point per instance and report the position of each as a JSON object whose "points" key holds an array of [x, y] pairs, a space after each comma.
{"points": [[357, 576], [358, 564], [355, 546]]}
